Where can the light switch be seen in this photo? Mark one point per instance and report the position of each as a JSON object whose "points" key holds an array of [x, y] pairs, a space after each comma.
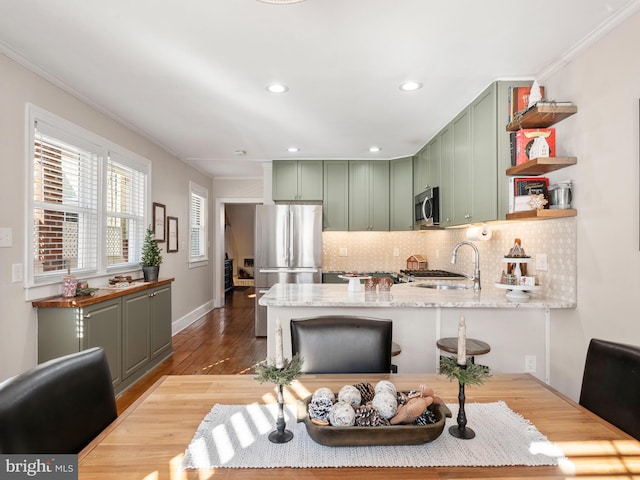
{"points": [[6, 237]]}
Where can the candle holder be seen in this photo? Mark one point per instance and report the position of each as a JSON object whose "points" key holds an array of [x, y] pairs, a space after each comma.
{"points": [[280, 376], [461, 430], [472, 374], [280, 434]]}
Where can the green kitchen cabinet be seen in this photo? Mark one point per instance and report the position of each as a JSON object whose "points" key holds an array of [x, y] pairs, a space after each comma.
{"points": [[369, 195], [297, 180], [462, 173], [62, 331], [136, 332], [484, 154], [134, 329], [160, 318], [446, 176], [335, 210], [427, 166], [401, 194]]}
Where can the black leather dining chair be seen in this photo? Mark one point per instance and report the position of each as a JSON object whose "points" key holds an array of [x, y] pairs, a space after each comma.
{"points": [[58, 406], [611, 384], [342, 344]]}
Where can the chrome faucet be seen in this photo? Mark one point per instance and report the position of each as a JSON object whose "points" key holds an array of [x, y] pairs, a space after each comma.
{"points": [[476, 271]]}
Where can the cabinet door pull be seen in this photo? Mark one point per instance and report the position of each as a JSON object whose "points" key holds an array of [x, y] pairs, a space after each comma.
{"points": [[88, 315]]}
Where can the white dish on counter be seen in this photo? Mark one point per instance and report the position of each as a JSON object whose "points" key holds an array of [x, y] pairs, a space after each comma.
{"points": [[518, 291]]}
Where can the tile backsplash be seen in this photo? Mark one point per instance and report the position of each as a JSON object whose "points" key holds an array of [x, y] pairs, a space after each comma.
{"points": [[374, 251]]}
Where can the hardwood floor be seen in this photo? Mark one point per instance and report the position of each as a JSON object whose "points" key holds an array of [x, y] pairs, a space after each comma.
{"points": [[222, 342]]}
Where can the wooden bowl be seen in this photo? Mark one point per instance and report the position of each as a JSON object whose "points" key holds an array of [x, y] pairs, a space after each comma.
{"points": [[369, 436]]}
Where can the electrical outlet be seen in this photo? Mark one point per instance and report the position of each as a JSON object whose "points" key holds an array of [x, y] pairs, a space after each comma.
{"points": [[17, 273], [541, 262], [396, 252], [530, 363], [437, 253], [343, 252]]}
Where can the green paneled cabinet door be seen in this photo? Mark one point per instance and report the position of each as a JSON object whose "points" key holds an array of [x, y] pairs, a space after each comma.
{"points": [[369, 195], [297, 180], [335, 210], [160, 302], [401, 194], [461, 130], [136, 331]]}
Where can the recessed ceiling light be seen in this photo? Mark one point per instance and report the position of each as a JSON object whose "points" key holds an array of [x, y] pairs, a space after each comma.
{"points": [[374, 149], [293, 149], [277, 88], [410, 86]]}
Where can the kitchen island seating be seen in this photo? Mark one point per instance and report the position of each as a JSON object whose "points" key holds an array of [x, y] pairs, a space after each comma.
{"points": [[342, 344], [58, 406], [611, 384]]}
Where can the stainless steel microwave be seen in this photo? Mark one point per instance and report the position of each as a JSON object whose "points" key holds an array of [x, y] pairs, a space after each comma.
{"points": [[427, 208]]}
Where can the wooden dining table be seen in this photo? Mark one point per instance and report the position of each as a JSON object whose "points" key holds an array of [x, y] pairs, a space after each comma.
{"points": [[148, 441]]}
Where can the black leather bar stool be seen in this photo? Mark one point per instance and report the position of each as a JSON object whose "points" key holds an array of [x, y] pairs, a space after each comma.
{"points": [[474, 347]]}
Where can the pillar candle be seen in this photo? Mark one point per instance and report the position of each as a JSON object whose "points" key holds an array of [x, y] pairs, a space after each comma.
{"points": [[462, 341], [279, 347]]}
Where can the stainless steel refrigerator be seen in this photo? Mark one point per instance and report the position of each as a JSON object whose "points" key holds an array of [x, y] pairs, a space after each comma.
{"points": [[288, 249]]}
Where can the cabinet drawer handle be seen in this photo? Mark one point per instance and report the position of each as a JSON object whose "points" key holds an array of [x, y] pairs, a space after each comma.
{"points": [[88, 315]]}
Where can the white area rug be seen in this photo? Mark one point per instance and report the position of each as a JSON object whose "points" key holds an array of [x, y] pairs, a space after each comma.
{"points": [[235, 436]]}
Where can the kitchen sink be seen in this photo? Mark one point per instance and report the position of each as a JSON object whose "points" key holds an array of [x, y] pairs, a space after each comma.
{"points": [[441, 286]]}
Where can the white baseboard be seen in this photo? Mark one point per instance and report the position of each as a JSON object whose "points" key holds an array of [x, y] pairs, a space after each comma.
{"points": [[191, 317]]}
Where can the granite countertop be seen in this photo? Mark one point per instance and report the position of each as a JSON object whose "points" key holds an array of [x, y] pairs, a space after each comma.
{"points": [[401, 295]]}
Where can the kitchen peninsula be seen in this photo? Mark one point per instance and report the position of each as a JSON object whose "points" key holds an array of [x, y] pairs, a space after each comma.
{"points": [[422, 315]]}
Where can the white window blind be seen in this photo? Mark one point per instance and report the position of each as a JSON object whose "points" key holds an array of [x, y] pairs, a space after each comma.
{"points": [[125, 208], [65, 203], [197, 223]]}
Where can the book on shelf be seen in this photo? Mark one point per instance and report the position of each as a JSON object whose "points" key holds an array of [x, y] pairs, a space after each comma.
{"points": [[521, 190], [518, 101], [528, 143]]}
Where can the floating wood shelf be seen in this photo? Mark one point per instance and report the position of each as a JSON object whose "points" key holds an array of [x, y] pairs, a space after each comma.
{"points": [[542, 117], [540, 166], [542, 214]]}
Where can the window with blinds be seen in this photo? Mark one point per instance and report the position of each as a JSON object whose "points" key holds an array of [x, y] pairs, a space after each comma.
{"points": [[65, 205], [197, 223], [89, 202]]}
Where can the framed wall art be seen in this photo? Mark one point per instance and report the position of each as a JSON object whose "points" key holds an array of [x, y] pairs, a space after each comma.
{"points": [[172, 234], [159, 219]]}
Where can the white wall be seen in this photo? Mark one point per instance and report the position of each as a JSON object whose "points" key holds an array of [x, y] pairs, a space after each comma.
{"points": [[192, 289], [604, 82]]}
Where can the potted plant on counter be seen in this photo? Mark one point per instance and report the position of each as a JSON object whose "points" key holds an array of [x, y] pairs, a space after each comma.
{"points": [[151, 258]]}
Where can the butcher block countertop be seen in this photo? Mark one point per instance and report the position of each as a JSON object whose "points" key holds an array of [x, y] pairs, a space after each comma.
{"points": [[100, 295]]}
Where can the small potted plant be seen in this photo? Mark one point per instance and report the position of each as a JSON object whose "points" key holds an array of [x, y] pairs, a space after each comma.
{"points": [[151, 258]]}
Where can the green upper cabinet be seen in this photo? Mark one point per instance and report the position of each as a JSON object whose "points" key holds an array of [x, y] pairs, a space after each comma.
{"points": [[335, 210], [446, 176], [401, 194], [297, 180], [484, 154], [461, 138], [369, 195], [474, 154]]}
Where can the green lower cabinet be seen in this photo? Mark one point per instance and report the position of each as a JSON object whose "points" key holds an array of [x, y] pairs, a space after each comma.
{"points": [[134, 330]]}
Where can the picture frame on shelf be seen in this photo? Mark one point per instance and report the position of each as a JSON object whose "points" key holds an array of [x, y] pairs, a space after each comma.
{"points": [[172, 234], [159, 222]]}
